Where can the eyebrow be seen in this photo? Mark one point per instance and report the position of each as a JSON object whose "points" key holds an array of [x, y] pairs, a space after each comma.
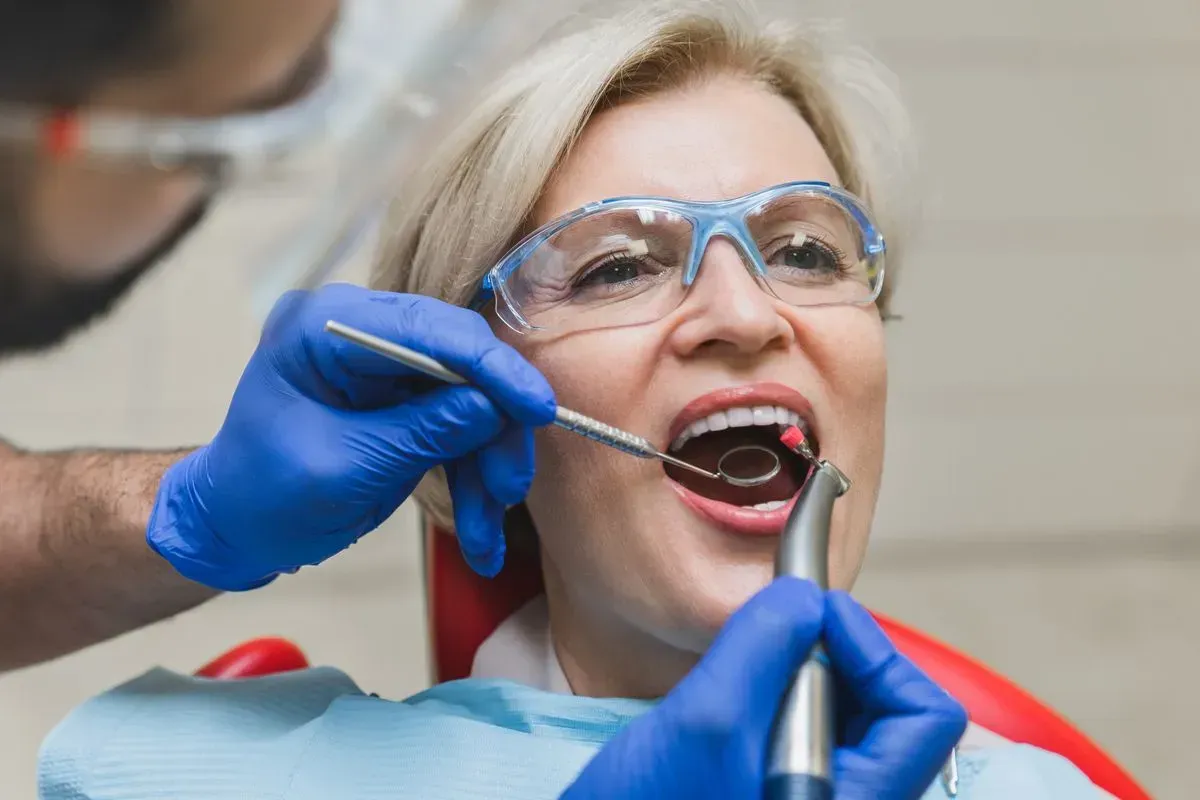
{"points": [[310, 66]]}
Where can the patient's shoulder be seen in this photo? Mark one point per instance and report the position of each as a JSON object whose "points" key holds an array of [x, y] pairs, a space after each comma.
{"points": [[301, 693], [162, 693], [314, 734], [1016, 770], [163, 724]]}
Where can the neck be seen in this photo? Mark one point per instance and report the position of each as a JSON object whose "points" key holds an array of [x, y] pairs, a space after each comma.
{"points": [[604, 656]]}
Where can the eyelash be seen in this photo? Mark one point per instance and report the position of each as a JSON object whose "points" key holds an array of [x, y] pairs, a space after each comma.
{"points": [[832, 251], [610, 260]]}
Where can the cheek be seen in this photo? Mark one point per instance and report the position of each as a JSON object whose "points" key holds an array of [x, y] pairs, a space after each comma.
{"points": [[589, 502], [596, 374], [855, 360], [576, 482], [94, 219], [603, 375], [848, 351], [854, 365]]}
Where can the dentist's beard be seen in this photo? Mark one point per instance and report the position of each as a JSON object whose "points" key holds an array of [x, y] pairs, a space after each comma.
{"points": [[39, 309]]}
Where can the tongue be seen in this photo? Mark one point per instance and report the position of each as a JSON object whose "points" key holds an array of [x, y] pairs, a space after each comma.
{"points": [[706, 450]]}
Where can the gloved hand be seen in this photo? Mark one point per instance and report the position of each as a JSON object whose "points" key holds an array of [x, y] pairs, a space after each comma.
{"points": [[710, 736], [325, 439]]}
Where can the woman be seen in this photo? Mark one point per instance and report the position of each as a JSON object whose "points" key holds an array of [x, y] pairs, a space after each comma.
{"points": [[741, 288]]}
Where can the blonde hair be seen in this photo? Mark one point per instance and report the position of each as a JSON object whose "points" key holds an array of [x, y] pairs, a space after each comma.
{"points": [[471, 201]]}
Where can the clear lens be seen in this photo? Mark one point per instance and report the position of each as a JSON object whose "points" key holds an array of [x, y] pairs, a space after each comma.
{"points": [[813, 251], [626, 265], [614, 267]]}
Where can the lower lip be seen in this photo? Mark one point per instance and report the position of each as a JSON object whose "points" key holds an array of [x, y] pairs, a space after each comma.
{"points": [[735, 519]]}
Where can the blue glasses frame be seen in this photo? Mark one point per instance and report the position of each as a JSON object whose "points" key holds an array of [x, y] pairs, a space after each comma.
{"points": [[709, 219]]}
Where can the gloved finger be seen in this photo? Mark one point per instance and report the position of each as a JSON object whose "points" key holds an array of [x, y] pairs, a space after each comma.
{"points": [[289, 303], [882, 679], [478, 518], [457, 337], [506, 464], [430, 430], [741, 680], [910, 722]]}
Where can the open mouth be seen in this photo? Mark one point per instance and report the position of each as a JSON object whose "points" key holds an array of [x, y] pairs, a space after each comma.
{"points": [[705, 441]]}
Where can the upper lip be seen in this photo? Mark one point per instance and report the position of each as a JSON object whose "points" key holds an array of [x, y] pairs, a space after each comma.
{"points": [[749, 395]]}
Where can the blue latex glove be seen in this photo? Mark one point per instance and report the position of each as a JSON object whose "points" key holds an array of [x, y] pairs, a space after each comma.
{"points": [[325, 439], [710, 736]]}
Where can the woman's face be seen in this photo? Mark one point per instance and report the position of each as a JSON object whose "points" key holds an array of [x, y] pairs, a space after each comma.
{"points": [[629, 554]]}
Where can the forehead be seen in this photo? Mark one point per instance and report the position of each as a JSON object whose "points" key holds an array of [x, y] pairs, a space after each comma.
{"points": [[228, 56], [720, 139]]}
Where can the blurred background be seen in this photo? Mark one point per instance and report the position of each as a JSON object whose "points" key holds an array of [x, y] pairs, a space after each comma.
{"points": [[1039, 510]]}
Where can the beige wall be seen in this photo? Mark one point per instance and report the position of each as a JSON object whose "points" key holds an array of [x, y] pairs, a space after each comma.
{"points": [[1039, 508]]}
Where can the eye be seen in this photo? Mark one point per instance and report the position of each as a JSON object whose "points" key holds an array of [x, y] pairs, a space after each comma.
{"points": [[614, 269], [807, 254]]}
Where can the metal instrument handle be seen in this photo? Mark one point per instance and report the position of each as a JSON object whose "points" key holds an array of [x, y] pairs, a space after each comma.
{"points": [[597, 431]]}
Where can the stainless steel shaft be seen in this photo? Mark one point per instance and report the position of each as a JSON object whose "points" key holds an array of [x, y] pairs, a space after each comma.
{"points": [[598, 431], [565, 418]]}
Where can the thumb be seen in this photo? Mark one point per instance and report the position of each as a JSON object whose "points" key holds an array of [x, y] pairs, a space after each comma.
{"points": [[742, 678]]}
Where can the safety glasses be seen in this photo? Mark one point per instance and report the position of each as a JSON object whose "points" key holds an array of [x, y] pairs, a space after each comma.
{"points": [[252, 145], [630, 260]]}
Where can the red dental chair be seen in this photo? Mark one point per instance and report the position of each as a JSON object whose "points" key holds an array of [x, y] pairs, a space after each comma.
{"points": [[254, 659], [464, 609]]}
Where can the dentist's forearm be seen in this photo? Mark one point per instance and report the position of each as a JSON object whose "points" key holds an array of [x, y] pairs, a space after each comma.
{"points": [[74, 565]]}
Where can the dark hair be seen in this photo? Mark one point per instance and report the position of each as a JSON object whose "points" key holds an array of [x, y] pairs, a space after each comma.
{"points": [[56, 52]]}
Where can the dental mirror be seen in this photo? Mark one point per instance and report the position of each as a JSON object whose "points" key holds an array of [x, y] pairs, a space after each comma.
{"points": [[748, 465]]}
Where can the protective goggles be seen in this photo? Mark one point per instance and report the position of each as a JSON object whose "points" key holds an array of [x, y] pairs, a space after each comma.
{"points": [[357, 74], [630, 260]]}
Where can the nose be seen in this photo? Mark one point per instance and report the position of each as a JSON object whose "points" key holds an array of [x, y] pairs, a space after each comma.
{"points": [[726, 310]]}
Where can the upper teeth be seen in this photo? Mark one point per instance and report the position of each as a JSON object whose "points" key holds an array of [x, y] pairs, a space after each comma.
{"points": [[740, 418]]}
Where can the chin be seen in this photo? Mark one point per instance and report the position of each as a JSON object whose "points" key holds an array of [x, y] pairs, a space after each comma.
{"points": [[706, 594]]}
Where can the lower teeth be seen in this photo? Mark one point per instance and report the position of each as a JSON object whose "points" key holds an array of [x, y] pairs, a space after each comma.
{"points": [[771, 506]]}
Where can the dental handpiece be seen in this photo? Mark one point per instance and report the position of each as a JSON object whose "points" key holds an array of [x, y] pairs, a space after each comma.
{"points": [[800, 763], [565, 418]]}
